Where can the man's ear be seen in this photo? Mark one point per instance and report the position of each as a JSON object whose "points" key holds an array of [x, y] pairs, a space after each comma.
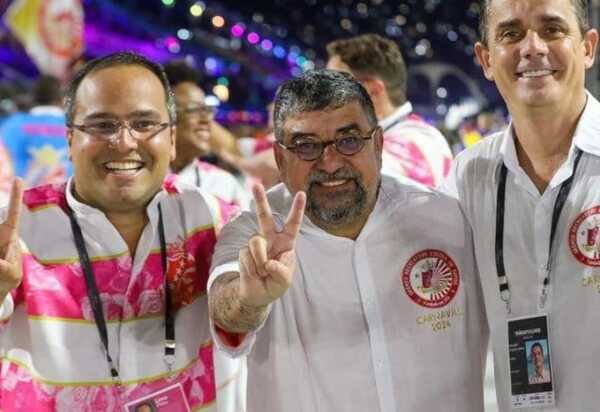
{"points": [[483, 56], [374, 86], [590, 43]]}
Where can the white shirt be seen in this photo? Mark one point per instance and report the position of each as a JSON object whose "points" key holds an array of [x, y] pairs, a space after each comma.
{"points": [[573, 302], [346, 336], [216, 181], [413, 148]]}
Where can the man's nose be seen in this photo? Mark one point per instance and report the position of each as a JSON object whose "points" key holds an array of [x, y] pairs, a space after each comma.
{"points": [[532, 45]]}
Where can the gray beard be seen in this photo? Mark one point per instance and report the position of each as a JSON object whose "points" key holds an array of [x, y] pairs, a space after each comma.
{"points": [[347, 206]]}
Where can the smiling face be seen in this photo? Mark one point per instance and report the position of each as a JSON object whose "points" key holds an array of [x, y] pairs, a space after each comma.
{"points": [[536, 54], [341, 190], [124, 174], [193, 122]]}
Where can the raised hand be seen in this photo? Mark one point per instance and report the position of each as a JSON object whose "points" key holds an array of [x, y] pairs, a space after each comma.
{"points": [[10, 249], [267, 264]]}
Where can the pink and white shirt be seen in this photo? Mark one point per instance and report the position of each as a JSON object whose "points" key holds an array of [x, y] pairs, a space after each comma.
{"points": [[52, 356], [413, 148], [216, 181]]}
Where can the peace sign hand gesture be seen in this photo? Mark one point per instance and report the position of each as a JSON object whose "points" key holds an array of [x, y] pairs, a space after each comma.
{"points": [[10, 249], [267, 263]]}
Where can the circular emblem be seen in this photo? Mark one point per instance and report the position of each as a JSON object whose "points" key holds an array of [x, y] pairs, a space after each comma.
{"points": [[61, 25], [431, 278], [584, 237]]}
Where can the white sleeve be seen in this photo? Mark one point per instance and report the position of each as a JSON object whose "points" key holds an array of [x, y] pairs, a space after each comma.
{"points": [[232, 239]]}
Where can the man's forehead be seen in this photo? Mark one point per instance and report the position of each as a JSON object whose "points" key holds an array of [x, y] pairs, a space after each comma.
{"points": [[503, 12], [326, 121], [188, 92], [121, 88]]}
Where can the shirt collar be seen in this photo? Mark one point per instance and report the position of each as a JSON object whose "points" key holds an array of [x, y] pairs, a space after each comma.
{"points": [[399, 114], [83, 210], [585, 138]]}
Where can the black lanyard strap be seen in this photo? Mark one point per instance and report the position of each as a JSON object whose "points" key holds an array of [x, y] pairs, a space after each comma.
{"points": [[170, 344], [559, 203], [96, 303]]}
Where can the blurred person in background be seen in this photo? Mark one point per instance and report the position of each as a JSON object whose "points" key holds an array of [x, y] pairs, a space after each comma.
{"points": [[412, 147], [195, 138], [36, 141]]}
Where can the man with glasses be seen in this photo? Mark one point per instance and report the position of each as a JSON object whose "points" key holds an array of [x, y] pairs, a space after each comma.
{"points": [[371, 301], [196, 128], [107, 306], [411, 147]]}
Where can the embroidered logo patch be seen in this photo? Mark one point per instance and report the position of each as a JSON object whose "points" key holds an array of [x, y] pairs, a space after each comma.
{"points": [[584, 237], [431, 278]]}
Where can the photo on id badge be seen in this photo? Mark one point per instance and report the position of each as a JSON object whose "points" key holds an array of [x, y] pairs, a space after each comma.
{"points": [[530, 366], [169, 399]]}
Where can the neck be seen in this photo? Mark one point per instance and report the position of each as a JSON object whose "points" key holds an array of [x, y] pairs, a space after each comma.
{"points": [[543, 140], [182, 160], [130, 226], [384, 108]]}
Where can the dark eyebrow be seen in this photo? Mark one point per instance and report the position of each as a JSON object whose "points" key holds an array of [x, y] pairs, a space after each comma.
{"points": [[348, 128], [553, 19], [507, 24]]}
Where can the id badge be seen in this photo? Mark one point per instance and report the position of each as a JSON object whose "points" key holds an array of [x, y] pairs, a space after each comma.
{"points": [[529, 362], [169, 399]]}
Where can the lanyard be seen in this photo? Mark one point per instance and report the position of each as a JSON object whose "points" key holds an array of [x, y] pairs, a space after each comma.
{"points": [[563, 193], [197, 170], [96, 303]]}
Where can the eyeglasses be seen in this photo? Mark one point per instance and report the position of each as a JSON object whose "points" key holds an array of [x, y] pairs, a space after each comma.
{"points": [[139, 129], [313, 149], [201, 109]]}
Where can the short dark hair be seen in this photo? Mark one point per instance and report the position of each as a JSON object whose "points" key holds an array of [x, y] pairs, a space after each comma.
{"points": [[47, 90], [537, 344], [319, 90], [179, 71], [580, 8], [112, 60], [374, 55]]}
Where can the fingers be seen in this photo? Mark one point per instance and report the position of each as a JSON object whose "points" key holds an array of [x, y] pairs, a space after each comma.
{"points": [[257, 246], [266, 223], [14, 206], [294, 218]]}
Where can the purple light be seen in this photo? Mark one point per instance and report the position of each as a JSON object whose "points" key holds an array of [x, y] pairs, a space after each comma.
{"points": [[266, 44], [237, 30], [253, 38]]}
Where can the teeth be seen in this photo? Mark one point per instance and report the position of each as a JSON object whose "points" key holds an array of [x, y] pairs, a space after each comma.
{"points": [[131, 165], [333, 183], [536, 73]]}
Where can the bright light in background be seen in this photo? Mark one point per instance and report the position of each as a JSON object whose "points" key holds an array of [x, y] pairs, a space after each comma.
{"points": [[218, 21], [266, 44], [168, 3], [441, 92], [184, 34], [224, 81], [237, 30], [196, 9], [172, 45], [211, 100], [222, 92], [253, 37], [279, 52], [210, 64]]}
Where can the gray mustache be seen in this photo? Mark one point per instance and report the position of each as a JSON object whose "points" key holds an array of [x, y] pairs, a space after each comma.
{"points": [[319, 176]]}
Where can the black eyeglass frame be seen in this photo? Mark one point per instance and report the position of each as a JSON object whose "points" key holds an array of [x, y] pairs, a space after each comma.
{"points": [[323, 145]]}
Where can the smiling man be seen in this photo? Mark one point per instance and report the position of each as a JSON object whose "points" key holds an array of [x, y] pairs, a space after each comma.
{"points": [[538, 182], [107, 305], [371, 295]]}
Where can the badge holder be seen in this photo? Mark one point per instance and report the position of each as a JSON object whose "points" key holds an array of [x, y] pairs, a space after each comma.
{"points": [[530, 367], [169, 399]]}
